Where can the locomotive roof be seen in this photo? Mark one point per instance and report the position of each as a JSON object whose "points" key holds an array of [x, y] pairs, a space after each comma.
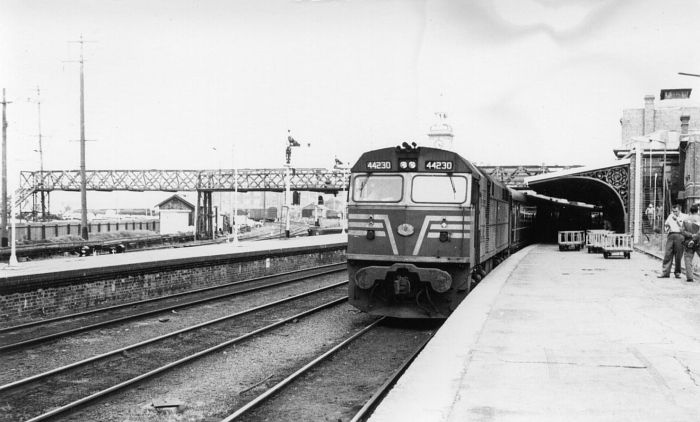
{"points": [[423, 154]]}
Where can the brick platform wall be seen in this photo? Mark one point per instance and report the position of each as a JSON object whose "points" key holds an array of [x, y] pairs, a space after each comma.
{"points": [[25, 304]]}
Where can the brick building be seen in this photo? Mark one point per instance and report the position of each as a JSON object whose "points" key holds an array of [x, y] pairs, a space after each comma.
{"points": [[664, 115], [668, 129]]}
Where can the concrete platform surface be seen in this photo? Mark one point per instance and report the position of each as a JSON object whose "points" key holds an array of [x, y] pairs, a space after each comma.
{"points": [[561, 336], [73, 263]]}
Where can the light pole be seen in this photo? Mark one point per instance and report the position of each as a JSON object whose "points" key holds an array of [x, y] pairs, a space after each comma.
{"points": [[656, 216], [663, 189], [651, 161], [216, 182], [234, 215], [13, 251]]}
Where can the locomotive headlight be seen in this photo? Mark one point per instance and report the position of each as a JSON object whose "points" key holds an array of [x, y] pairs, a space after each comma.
{"points": [[444, 223], [408, 165], [371, 221]]}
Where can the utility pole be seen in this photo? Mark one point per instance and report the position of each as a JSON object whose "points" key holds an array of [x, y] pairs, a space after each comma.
{"points": [[4, 170], [83, 179], [41, 156]]}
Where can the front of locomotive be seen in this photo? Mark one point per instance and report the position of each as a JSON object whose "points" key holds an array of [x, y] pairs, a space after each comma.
{"points": [[410, 220]]}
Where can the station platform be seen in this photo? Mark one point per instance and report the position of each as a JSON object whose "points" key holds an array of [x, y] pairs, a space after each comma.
{"points": [[36, 290], [162, 256], [561, 336]]}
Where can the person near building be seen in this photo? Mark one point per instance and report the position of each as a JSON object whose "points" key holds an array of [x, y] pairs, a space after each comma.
{"points": [[650, 211], [674, 243], [691, 240]]}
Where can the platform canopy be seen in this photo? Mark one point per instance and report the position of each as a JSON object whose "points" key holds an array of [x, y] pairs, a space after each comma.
{"points": [[576, 171], [606, 186], [558, 201]]}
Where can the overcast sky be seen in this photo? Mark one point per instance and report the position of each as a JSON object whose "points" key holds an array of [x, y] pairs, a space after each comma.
{"points": [[179, 84]]}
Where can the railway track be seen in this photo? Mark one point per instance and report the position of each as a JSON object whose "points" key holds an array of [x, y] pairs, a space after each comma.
{"points": [[66, 388], [327, 386], [50, 329]]}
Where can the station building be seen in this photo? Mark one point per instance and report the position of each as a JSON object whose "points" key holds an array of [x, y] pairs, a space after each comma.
{"points": [[657, 164], [663, 138]]}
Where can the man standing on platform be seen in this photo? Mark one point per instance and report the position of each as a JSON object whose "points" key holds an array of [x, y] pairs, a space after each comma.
{"points": [[691, 235], [674, 243]]}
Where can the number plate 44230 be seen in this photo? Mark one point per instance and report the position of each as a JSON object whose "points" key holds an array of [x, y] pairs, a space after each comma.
{"points": [[379, 165]]}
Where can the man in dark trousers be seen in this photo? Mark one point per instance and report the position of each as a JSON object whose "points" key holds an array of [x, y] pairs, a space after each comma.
{"points": [[691, 236], [674, 243]]}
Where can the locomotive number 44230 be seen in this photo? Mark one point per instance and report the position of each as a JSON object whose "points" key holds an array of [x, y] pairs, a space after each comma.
{"points": [[439, 165], [379, 165]]}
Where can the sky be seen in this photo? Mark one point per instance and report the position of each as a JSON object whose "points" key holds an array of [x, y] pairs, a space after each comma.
{"points": [[184, 84]]}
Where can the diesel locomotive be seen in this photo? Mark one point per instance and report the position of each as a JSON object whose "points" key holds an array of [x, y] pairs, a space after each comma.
{"points": [[424, 226]]}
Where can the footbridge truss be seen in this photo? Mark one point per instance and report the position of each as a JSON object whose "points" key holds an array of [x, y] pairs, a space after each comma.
{"points": [[38, 184], [321, 180], [247, 180]]}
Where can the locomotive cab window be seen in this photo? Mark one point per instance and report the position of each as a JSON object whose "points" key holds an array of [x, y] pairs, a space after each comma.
{"points": [[440, 188], [377, 188]]}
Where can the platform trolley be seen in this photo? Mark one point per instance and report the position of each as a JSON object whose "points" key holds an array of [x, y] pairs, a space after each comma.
{"points": [[571, 239], [617, 243], [594, 240]]}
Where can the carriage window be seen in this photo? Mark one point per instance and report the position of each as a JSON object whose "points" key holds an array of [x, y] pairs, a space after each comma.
{"points": [[442, 188], [377, 188]]}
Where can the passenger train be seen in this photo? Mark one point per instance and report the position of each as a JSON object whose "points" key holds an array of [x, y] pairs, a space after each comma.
{"points": [[424, 226]]}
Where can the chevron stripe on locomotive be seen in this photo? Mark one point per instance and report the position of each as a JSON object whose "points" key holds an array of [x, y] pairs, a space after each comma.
{"points": [[424, 227]]}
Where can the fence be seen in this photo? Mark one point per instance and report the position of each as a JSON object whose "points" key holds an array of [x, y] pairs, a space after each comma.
{"points": [[50, 230]]}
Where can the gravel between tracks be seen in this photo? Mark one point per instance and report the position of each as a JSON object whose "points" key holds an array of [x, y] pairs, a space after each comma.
{"points": [[210, 388], [336, 389], [32, 360]]}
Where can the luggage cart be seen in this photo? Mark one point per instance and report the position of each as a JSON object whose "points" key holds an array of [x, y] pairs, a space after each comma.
{"points": [[571, 239], [617, 243], [594, 240]]}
